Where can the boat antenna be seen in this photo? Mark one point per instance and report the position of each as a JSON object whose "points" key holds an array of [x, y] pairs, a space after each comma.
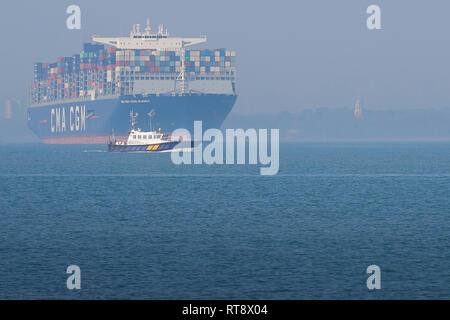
{"points": [[133, 117], [151, 114]]}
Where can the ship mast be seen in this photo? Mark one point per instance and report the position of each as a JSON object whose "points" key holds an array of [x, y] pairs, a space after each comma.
{"points": [[182, 86], [151, 114], [133, 117]]}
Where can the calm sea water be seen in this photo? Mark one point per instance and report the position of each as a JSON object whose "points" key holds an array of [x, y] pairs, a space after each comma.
{"points": [[140, 227]]}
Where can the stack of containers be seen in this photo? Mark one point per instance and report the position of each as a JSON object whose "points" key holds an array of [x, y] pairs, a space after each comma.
{"points": [[105, 71], [217, 61], [110, 71], [75, 76]]}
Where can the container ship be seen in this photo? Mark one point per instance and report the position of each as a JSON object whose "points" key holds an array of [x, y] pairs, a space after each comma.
{"points": [[83, 98]]}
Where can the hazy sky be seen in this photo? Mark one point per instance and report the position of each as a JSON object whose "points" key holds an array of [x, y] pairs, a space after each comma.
{"points": [[291, 55]]}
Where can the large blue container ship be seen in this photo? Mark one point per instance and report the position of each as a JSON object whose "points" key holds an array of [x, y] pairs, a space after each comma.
{"points": [[84, 98]]}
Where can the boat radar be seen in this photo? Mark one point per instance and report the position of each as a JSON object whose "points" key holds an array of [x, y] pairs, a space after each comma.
{"points": [[147, 40]]}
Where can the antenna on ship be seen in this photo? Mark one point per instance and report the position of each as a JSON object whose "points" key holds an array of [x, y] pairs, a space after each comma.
{"points": [[151, 114], [133, 117], [148, 29]]}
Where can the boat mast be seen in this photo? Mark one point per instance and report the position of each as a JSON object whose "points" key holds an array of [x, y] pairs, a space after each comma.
{"points": [[133, 117], [150, 116]]}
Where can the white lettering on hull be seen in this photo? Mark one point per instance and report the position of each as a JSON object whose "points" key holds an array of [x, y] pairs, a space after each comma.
{"points": [[77, 119]]}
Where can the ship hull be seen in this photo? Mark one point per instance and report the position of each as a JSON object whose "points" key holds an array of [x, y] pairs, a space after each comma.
{"points": [[155, 147], [93, 121]]}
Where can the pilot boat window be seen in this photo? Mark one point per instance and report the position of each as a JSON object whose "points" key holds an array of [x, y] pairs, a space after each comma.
{"points": [[134, 137], [139, 137], [145, 137]]}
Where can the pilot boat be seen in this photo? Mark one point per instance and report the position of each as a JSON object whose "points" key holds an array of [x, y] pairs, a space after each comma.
{"points": [[145, 141]]}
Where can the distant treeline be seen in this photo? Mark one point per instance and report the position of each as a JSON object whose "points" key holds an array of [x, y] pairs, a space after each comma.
{"points": [[332, 124]]}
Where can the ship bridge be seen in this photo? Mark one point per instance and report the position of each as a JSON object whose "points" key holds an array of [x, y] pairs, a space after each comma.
{"points": [[147, 40]]}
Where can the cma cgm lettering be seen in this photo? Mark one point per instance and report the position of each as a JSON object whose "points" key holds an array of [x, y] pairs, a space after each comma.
{"points": [[76, 116]]}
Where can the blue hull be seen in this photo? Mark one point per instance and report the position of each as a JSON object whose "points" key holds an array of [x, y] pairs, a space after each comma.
{"points": [[92, 121], [167, 146]]}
